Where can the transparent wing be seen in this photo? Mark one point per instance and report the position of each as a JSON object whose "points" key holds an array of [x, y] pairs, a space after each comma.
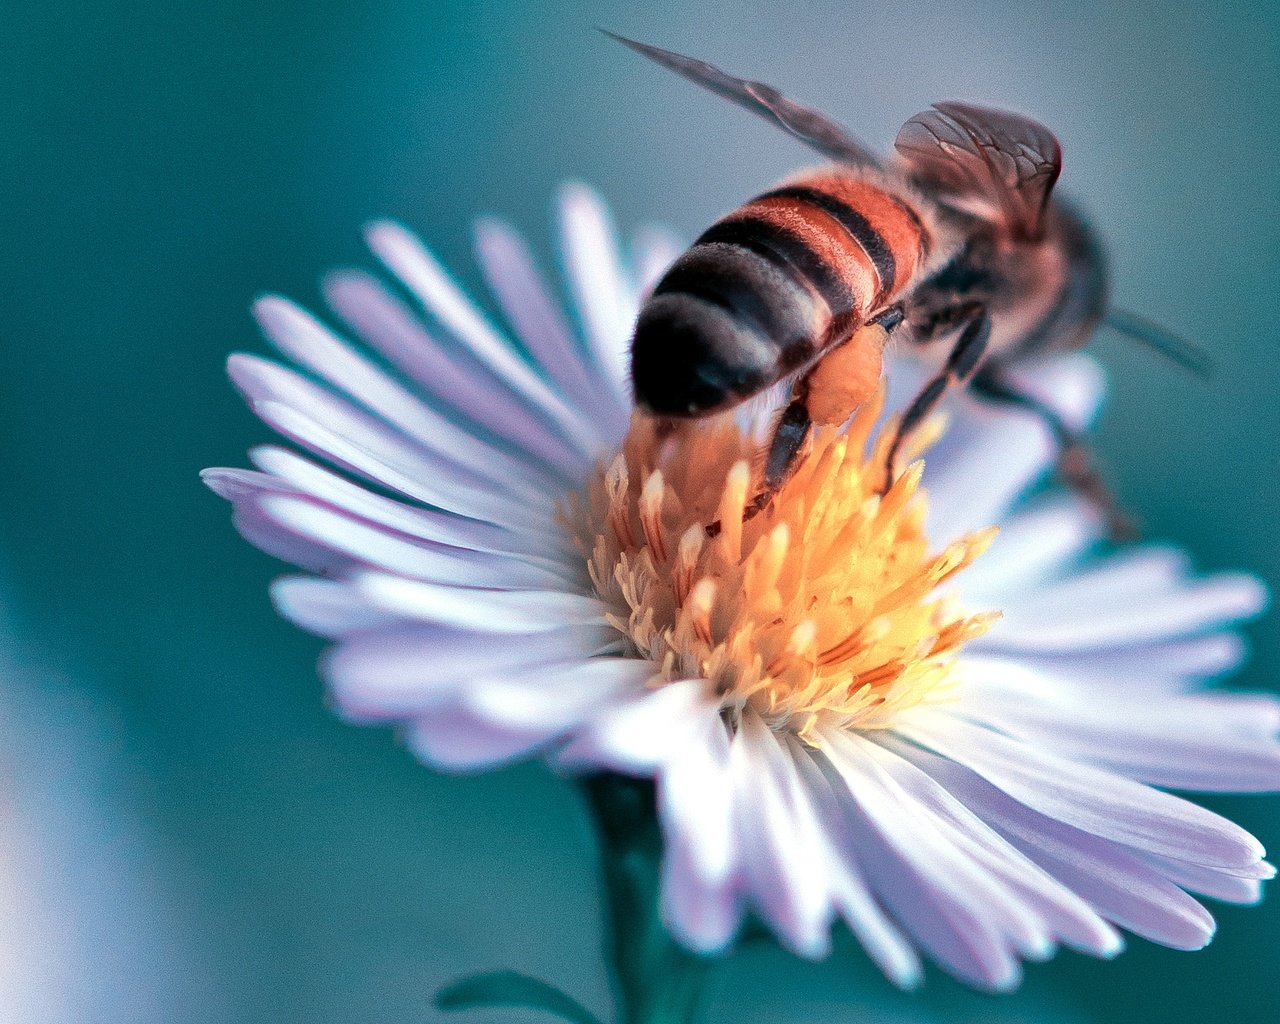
{"points": [[818, 130], [1008, 160]]}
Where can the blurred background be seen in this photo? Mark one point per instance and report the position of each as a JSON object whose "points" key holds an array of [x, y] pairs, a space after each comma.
{"points": [[185, 832]]}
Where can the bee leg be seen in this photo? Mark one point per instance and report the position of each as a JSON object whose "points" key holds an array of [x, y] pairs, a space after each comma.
{"points": [[889, 317], [789, 435], [1075, 466], [796, 422], [965, 355]]}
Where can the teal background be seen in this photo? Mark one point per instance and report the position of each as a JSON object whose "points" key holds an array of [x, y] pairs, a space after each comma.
{"points": [[216, 846]]}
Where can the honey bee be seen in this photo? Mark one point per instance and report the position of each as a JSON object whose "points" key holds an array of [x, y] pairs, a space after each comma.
{"points": [[957, 246]]}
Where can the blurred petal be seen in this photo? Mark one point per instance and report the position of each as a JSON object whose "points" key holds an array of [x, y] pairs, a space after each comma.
{"points": [[396, 673], [596, 278], [1093, 616]]}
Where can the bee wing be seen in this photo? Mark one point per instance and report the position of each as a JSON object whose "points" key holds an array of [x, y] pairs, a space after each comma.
{"points": [[810, 126], [997, 156]]}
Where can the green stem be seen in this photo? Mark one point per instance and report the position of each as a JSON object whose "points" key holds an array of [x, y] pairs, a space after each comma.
{"points": [[656, 981]]}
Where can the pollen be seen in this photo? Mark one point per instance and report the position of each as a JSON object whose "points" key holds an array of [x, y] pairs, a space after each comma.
{"points": [[829, 606]]}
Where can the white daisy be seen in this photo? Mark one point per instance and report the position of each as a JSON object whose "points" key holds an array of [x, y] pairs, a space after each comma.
{"points": [[846, 719]]}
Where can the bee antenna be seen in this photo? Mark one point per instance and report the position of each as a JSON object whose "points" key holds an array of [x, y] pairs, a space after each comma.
{"points": [[1187, 355]]}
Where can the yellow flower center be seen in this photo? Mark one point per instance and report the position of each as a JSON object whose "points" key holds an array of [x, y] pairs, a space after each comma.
{"points": [[823, 607]]}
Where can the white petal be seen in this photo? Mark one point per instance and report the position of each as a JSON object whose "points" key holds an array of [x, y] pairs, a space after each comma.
{"points": [[488, 611], [321, 422], [459, 740], [1255, 715], [1117, 883], [1169, 667], [1132, 573], [398, 469], [1126, 619], [1170, 674], [992, 453], [448, 373], [700, 902], [402, 672], [360, 543], [652, 253], [1064, 915], [951, 909], [595, 275], [239, 484], [695, 791], [991, 458], [1177, 742], [409, 260], [302, 337], [1091, 799], [1208, 882], [330, 608], [704, 916], [851, 895], [1033, 546], [558, 696], [296, 474], [541, 326], [255, 526], [1072, 385], [640, 736], [785, 862]]}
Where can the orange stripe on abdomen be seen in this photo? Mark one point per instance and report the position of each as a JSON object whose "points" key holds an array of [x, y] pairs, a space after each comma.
{"points": [[831, 245], [886, 226]]}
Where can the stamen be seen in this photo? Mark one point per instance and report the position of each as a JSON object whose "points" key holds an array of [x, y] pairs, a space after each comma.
{"points": [[651, 515], [615, 482], [686, 561], [732, 506], [762, 572], [823, 607], [702, 600]]}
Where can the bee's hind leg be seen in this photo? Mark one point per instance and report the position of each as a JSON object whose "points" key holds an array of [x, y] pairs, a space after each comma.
{"points": [[790, 432], [788, 439], [1075, 466], [827, 395]]}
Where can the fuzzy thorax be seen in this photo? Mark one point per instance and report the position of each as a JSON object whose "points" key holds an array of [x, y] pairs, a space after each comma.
{"points": [[824, 608]]}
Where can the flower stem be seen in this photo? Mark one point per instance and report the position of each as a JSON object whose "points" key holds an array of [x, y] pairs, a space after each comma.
{"points": [[656, 981]]}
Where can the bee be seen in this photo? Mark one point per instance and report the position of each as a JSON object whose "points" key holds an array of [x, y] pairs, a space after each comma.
{"points": [[958, 246]]}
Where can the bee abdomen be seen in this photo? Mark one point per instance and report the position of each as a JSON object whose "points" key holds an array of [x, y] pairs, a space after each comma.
{"points": [[765, 290], [731, 316], [873, 238]]}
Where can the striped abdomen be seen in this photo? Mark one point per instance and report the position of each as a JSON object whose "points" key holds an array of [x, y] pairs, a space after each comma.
{"points": [[767, 288]]}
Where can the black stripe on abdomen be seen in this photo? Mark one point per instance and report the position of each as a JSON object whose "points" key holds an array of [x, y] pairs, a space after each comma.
{"points": [[706, 274], [762, 297], [872, 242], [791, 255], [913, 215]]}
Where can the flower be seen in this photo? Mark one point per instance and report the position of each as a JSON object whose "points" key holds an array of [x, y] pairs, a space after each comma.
{"points": [[851, 708]]}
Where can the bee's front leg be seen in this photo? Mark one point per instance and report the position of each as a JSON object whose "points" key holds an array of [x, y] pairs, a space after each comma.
{"points": [[963, 360]]}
